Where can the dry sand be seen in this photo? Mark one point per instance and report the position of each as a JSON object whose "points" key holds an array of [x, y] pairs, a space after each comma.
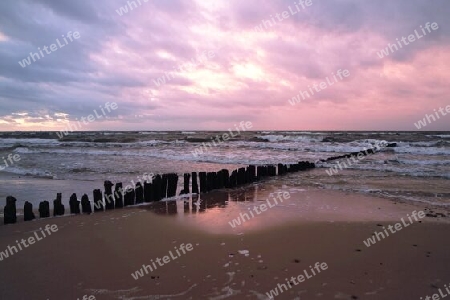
{"points": [[96, 254]]}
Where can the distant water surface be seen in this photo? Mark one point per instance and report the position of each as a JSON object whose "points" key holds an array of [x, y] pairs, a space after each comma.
{"points": [[418, 169]]}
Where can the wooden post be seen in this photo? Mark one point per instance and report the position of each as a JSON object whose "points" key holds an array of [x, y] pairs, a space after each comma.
{"points": [[280, 169], [187, 180], [172, 183], [164, 185], [139, 193], [129, 197], [9, 212], [259, 171], [74, 204], [250, 174], [118, 195], [157, 188], [203, 182], [225, 182], [98, 200], [148, 192], [233, 179], [209, 181], [58, 207], [272, 170], [241, 176], [109, 198], [194, 183], [28, 213], [86, 204], [44, 209]]}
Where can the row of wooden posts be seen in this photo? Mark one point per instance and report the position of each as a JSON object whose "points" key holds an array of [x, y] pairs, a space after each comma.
{"points": [[161, 187]]}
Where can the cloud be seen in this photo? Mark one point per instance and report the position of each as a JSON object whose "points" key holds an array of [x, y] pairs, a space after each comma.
{"points": [[118, 58]]}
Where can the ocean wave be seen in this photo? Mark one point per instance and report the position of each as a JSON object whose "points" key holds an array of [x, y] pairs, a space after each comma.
{"points": [[22, 150], [423, 150], [289, 138], [30, 172]]}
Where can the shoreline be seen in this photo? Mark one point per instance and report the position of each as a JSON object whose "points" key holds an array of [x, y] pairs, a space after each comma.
{"points": [[250, 263]]}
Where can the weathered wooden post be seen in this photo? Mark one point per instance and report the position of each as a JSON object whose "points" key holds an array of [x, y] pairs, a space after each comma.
{"points": [[109, 198], [74, 204], [272, 170], [225, 178], [233, 179], [86, 204], [28, 214], [98, 200], [259, 171], [194, 183], [280, 169], [220, 179], [250, 174], [129, 197], [164, 185], [9, 212], [187, 179], [241, 176], [203, 182], [148, 191], [58, 207], [44, 209], [172, 184], [157, 188], [216, 180], [118, 195], [139, 193], [209, 181]]}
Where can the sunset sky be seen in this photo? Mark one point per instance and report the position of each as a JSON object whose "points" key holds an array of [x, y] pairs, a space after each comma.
{"points": [[249, 75]]}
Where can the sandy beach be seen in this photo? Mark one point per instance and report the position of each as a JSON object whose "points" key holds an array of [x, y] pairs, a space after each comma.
{"points": [[96, 254]]}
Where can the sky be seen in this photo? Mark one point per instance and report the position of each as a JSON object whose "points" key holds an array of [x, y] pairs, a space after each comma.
{"points": [[223, 62]]}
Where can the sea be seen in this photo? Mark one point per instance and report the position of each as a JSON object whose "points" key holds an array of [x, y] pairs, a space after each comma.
{"points": [[417, 169]]}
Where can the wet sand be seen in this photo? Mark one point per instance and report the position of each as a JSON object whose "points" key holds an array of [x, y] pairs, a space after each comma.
{"points": [[96, 254]]}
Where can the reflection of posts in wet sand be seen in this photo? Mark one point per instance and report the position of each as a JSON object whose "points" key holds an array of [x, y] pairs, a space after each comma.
{"points": [[171, 207], [216, 200], [163, 208], [202, 204], [248, 194], [158, 208], [186, 204], [194, 202]]}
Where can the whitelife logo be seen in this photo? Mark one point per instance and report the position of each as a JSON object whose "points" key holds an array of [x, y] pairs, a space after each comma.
{"points": [[90, 118], [319, 87], [262, 207], [31, 240], [27, 61], [12, 158], [264, 25], [279, 289], [423, 123], [438, 296], [165, 260], [397, 226], [411, 39], [225, 137]]}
